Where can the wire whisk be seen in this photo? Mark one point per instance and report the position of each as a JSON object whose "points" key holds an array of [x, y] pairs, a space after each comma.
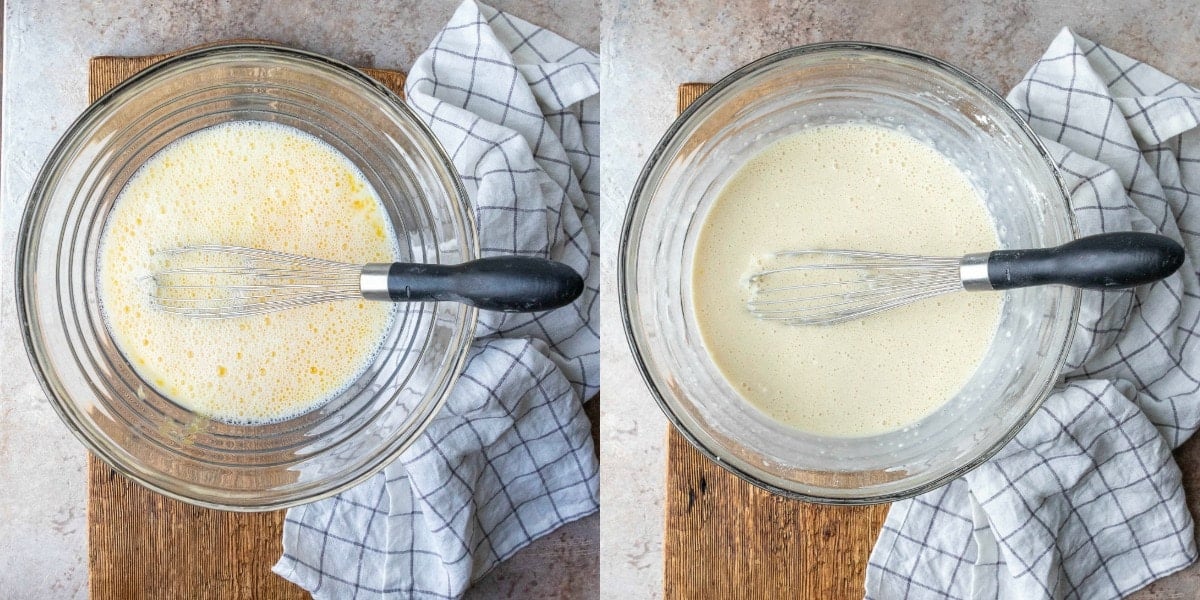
{"points": [[221, 282], [827, 287]]}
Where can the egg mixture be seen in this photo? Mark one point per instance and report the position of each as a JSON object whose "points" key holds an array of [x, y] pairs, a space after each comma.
{"points": [[259, 185]]}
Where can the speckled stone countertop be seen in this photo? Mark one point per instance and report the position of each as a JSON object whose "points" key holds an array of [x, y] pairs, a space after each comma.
{"points": [[43, 532], [651, 47]]}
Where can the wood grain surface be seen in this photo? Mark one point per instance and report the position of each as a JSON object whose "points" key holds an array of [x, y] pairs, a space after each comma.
{"points": [[725, 538], [144, 545]]}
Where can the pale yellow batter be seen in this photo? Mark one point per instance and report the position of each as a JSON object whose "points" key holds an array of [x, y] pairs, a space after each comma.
{"points": [[249, 184], [844, 186]]}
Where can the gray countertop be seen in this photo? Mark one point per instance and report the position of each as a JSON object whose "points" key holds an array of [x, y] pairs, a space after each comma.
{"points": [[43, 532], [652, 47], [649, 48]]}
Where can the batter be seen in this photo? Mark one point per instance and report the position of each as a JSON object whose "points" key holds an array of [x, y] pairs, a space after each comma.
{"points": [[844, 186], [259, 185]]}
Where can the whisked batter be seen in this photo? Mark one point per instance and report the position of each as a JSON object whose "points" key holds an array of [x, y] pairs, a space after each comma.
{"points": [[844, 186]]}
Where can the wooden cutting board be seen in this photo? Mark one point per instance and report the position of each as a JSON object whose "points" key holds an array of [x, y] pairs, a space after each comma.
{"points": [[145, 545], [725, 538]]}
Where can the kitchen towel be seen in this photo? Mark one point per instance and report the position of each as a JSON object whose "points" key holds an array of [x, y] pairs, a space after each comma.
{"points": [[510, 456], [1087, 501]]}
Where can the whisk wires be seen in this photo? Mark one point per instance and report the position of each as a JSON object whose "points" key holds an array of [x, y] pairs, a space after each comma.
{"points": [[826, 287], [220, 282]]}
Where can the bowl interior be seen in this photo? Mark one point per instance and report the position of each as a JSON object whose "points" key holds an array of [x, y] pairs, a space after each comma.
{"points": [[810, 87], [149, 437]]}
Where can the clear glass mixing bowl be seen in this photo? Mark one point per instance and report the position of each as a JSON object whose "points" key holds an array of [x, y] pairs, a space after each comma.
{"points": [[145, 435], [780, 95]]}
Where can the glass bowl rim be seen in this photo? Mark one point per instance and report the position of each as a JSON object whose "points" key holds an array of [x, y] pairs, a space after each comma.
{"points": [[651, 173], [27, 248]]}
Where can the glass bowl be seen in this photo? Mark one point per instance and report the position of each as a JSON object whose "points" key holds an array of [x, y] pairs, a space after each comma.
{"points": [[145, 435], [782, 94]]}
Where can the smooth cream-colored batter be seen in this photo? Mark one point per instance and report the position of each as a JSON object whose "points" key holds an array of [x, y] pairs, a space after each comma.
{"points": [[844, 186], [258, 185]]}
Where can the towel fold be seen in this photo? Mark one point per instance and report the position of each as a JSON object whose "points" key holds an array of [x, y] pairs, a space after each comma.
{"points": [[1087, 501]]}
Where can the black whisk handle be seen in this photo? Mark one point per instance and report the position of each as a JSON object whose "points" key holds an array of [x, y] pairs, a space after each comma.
{"points": [[502, 283], [1097, 262]]}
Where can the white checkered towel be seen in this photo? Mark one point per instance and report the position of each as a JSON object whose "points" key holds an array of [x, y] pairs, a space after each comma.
{"points": [[510, 457], [1087, 501]]}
